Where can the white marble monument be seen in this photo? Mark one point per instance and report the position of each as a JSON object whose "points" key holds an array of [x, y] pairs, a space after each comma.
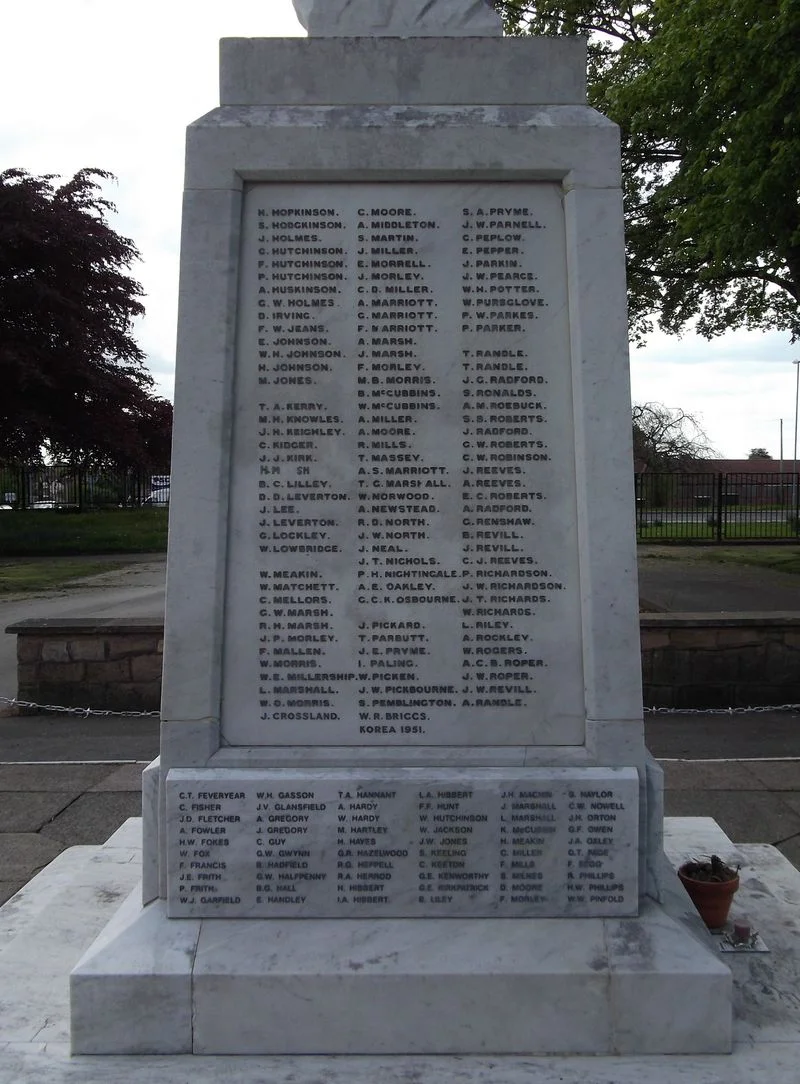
{"points": [[398, 18], [403, 803]]}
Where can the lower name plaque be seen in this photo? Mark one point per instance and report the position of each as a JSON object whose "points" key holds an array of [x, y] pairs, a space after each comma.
{"points": [[402, 843]]}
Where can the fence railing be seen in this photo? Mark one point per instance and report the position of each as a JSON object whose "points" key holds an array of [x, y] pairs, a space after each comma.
{"points": [[68, 488], [709, 506], [712, 507]]}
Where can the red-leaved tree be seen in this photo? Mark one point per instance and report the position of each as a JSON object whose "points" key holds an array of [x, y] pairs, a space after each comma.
{"points": [[74, 384]]}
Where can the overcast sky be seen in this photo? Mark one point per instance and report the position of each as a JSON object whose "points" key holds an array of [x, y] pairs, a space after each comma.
{"points": [[113, 85]]}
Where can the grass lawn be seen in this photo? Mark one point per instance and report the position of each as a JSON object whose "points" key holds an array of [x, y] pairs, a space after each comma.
{"points": [[48, 533], [38, 574], [702, 532], [782, 558]]}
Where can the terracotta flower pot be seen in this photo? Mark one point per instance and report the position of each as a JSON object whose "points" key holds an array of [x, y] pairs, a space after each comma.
{"points": [[711, 898]]}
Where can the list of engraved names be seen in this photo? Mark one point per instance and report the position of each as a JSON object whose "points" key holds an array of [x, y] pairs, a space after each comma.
{"points": [[548, 842], [402, 563]]}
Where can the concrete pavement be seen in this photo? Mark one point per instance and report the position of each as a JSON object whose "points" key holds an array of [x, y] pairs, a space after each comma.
{"points": [[677, 579]]}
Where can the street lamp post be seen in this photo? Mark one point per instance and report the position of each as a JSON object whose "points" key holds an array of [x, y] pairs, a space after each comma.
{"points": [[796, 363]]}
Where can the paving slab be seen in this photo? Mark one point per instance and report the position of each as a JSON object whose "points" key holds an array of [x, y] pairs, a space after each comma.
{"points": [[24, 853], [790, 848], [48, 738], [778, 1065], [777, 775], [711, 736], [9, 889], [93, 817], [712, 775], [22, 811], [52, 777], [748, 817], [128, 777], [790, 799]]}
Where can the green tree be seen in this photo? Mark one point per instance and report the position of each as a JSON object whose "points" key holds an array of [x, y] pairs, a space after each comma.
{"points": [[72, 376], [758, 453], [707, 96]]}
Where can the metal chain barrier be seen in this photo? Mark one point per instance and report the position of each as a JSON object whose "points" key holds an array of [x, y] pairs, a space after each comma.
{"points": [[722, 711], [85, 712]]}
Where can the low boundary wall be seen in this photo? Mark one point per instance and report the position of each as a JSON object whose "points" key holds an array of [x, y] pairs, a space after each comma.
{"points": [[724, 660], [688, 661], [109, 664]]}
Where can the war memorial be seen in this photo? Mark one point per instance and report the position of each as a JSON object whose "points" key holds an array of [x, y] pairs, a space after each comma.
{"points": [[403, 803]]}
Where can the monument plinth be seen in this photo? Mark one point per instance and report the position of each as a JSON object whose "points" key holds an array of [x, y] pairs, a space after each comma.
{"points": [[402, 702]]}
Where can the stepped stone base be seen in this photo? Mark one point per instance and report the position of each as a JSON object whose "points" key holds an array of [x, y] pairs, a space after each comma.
{"points": [[153, 985]]}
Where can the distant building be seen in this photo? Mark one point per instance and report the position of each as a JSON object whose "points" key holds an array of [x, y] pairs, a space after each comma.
{"points": [[740, 481]]}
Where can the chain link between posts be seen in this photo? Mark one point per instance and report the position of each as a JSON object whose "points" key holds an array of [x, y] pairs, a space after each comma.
{"points": [[86, 712], [722, 711], [82, 712]]}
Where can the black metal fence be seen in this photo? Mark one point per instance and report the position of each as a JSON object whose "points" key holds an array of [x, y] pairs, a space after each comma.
{"points": [[707, 507], [714, 507], [68, 488]]}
